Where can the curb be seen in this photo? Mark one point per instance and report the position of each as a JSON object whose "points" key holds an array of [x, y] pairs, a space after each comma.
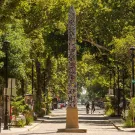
{"points": [[119, 129], [35, 125]]}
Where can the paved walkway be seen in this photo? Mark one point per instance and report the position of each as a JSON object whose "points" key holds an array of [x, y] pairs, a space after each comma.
{"points": [[20, 129], [94, 123]]}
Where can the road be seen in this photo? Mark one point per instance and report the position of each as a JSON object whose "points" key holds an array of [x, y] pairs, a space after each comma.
{"points": [[95, 124]]}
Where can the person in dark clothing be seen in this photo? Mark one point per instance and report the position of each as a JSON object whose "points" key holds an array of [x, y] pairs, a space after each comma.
{"points": [[87, 107], [92, 107]]}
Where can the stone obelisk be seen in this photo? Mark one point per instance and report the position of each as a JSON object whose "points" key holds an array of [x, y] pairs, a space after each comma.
{"points": [[72, 111]]}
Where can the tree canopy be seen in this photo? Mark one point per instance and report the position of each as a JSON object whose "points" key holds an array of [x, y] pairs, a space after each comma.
{"points": [[37, 29]]}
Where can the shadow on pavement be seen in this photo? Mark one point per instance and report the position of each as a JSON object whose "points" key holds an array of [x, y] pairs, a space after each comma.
{"points": [[91, 114], [82, 109], [38, 133], [94, 119]]}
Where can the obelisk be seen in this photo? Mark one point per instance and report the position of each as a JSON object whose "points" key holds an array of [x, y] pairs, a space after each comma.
{"points": [[72, 111]]}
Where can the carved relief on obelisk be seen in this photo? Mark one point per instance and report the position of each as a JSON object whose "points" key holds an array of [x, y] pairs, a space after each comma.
{"points": [[72, 82]]}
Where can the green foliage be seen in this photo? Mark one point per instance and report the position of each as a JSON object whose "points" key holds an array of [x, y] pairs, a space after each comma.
{"points": [[88, 71], [39, 110], [110, 112], [109, 108], [19, 106], [29, 117], [20, 123], [18, 50], [38, 30], [130, 119], [59, 77]]}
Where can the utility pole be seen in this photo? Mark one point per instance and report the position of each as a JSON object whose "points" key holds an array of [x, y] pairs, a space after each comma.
{"points": [[6, 44]]}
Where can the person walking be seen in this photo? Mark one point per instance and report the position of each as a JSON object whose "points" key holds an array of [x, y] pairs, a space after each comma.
{"points": [[87, 107], [92, 107]]}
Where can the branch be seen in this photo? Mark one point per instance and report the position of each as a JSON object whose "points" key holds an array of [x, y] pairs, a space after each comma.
{"points": [[97, 45]]}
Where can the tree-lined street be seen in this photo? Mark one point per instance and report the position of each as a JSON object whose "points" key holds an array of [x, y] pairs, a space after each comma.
{"points": [[95, 124], [57, 53]]}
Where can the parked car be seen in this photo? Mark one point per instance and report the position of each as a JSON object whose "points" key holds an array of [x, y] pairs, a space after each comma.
{"points": [[61, 105]]}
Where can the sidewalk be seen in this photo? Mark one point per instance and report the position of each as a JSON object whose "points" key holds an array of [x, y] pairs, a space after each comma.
{"points": [[118, 122], [20, 129], [58, 112], [59, 116]]}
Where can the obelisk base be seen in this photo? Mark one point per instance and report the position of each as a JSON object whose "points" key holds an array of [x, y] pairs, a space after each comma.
{"points": [[72, 130], [72, 117], [72, 122]]}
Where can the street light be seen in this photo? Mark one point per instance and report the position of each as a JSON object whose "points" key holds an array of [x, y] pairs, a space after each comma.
{"points": [[114, 81], [44, 83], [32, 75], [6, 44], [110, 72], [123, 81], [119, 90], [133, 81]]}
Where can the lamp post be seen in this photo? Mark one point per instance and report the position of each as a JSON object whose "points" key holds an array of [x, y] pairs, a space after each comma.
{"points": [[119, 91], [133, 81], [123, 81], [114, 82], [38, 94], [44, 73], [32, 75], [110, 78], [6, 44]]}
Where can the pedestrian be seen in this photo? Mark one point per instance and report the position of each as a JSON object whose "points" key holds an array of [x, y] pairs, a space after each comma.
{"points": [[92, 107], [87, 107]]}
